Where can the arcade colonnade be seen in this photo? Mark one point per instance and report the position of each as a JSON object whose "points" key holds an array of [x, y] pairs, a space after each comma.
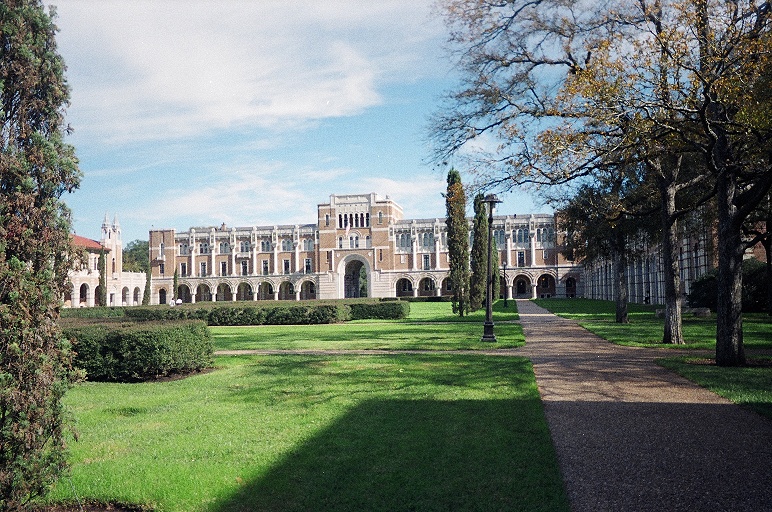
{"points": [[359, 246]]}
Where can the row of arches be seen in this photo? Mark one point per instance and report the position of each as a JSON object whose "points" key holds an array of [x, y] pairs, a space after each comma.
{"points": [[521, 287], [244, 292], [86, 296]]}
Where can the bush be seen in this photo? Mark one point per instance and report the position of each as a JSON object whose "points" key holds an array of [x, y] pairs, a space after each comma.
{"points": [[703, 293], [96, 312], [247, 313], [392, 310], [136, 351]]}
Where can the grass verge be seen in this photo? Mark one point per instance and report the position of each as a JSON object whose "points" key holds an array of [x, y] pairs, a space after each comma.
{"points": [[749, 386], [644, 329], [391, 432], [431, 326]]}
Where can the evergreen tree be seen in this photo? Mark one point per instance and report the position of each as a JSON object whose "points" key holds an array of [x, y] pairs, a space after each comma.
{"points": [[146, 295], [479, 255], [101, 296], [176, 285], [458, 242], [36, 168]]}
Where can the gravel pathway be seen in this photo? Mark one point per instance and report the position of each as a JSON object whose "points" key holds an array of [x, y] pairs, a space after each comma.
{"points": [[632, 436]]}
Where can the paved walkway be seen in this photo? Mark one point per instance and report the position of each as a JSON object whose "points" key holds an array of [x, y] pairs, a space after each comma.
{"points": [[631, 436]]}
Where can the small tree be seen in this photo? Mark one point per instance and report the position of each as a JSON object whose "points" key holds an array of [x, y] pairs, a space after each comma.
{"points": [[36, 168], [176, 285], [479, 255], [458, 242], [101, 297], [146, 295]]}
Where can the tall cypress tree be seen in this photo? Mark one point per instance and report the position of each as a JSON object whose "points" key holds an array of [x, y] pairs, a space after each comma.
{"points": [[36, 168], [458, 242], [479, 256]]}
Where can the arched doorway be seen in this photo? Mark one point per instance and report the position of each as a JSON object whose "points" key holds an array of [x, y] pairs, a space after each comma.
{"points": [[286, 291], [224, 293], [307, 290], [136, 296], [183, 293], [426, 287], [570, 287], [125, 296], [522, 287], [83, 299], [404, 288], [203, 294], [545, 286], [244, 292], [162, 296], [447, 290], [265, 291], [355, 281]]}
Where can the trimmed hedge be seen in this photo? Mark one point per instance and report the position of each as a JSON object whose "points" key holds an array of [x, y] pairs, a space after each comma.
{"points": [[249, 313], [96, 312], [137, 351], [391, 310]]}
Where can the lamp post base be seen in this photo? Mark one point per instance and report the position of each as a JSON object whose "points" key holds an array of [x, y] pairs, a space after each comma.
{"points": [[488, 333]]}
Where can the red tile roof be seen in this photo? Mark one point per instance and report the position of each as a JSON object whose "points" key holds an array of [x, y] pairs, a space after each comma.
{"points": [[87, 243]]}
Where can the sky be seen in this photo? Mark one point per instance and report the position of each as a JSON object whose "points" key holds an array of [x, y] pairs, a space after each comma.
{"points": [[245, 112]]}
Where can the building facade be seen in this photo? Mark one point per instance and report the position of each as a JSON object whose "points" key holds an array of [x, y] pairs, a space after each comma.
{"points": [[360, 245], [123, 288]]}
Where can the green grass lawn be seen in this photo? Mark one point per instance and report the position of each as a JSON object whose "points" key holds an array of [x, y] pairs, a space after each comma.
{"points": [[431, 326], [380, 432], [750, 387], [644, 329]]}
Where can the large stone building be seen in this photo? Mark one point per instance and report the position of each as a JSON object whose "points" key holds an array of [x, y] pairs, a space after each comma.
{"points": [[122, 288], [360, 245]]}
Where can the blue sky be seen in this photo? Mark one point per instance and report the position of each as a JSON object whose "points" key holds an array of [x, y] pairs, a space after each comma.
{"points": [[251, 112]]}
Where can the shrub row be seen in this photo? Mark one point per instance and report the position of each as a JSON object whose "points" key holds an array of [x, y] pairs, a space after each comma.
{"points": [[391, 310], [96, 312], [245, 313], [133, 351]]}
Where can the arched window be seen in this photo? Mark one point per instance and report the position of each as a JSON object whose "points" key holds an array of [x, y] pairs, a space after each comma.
{"points": [[340, 242], [380, 217], [286, 244]]}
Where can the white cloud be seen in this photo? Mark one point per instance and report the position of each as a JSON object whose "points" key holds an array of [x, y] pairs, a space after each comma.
{"points": [[148, 70]]}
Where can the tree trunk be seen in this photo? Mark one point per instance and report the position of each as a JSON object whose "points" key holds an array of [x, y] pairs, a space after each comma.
{"points": [[673, 333], [768, 252], [620, 276], [729, 321]]}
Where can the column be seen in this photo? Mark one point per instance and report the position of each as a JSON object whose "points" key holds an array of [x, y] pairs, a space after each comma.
{"points": [[533, 249]]}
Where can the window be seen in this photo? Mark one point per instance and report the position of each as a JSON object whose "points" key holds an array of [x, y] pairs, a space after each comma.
{"points": [[367, 241], [367, 220], [203, 268], [286, 266], [265, 267], [340, 221], [96, 263], [286, 244], [520, 258], [428, 285], [265, 246], [160, 268], [340, 242], [225, 247], [183, 269], [307, 266], [244, 267], [427, 262], [245, 246], [203, 248], [380, 254], [183, 249], [380, 217], [326, 220], [223, 268], [308, 244]]}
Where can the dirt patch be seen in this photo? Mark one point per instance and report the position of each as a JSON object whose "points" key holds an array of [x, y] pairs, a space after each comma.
{"points": [[94, 506]]}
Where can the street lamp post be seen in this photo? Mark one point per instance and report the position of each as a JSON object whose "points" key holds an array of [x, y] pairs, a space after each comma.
{"points": [[488, 335]]}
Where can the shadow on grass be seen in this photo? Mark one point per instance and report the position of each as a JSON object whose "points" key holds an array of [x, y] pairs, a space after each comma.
{"points": [[417, 455]]}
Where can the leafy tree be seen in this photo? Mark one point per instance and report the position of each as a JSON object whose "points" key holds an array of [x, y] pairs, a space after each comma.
{"points": [[565, 89], [479, 255], [458, 242], [36, 168], [136, 256]]}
